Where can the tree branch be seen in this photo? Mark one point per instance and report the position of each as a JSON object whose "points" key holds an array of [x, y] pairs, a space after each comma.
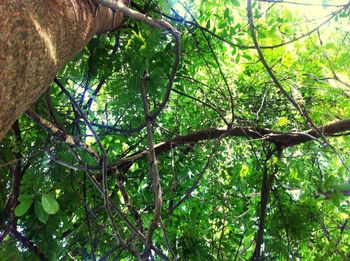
{"points": [[266, 186], [283, 140], [154, 172], [26, 243], [60, 134], [120, 7]]}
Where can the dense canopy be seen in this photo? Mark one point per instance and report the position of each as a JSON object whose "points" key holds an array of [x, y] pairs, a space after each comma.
{"points": [[217, 130]]}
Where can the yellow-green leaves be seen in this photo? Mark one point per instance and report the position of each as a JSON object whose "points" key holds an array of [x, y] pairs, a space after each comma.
{"points": [[282, 121]]}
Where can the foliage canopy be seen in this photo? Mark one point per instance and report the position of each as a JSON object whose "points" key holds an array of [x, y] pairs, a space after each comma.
{"points": [[244, 170]]}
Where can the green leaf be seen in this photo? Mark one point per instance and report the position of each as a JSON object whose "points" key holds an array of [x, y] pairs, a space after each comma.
{"points": [[234, 50], [246, 56], [40, 213], [227, 13], [235, 2], [49, 203], [25, 197], [238, 58], [208, 24], [146, 219], [336, 198], [23, 207]]}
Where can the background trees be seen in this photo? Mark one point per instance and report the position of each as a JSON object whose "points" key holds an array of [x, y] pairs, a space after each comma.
{"points": [[251, 144]]}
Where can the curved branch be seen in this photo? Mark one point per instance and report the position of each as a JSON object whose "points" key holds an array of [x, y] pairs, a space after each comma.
{"points": [[283, 140]]}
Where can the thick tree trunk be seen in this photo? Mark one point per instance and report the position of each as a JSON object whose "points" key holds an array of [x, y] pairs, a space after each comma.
{"points": [[37, 37]]}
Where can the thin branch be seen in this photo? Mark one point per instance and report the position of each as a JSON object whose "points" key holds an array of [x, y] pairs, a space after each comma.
{"points": [[331, 16], [103, 80], [191, 189], [107, 205], [28, 244], [90, 233], [121, 215], [96, 91], [202, 102], [198, 179], [131, 207], [222, 230], [154, 171], [298, 3], [18, 172], [116, 233], [168, 243], [70, 140], [219, 66], [17, 175], [286, 225], [14, 161], [86, 85], [272, 75], [101, 224], [301, 110], [3, 235], [118, 6], [242, 237]]}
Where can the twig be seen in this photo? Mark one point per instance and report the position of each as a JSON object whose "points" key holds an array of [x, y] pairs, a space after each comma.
{"points": [[121, 215], [219, 66], [118, 6], [272, 75], [198, 179], [241, 46], [102, 149], [302, 111], [202, 102], [28, 244], [168, 243], [154, 171], [60, 134], [298, 3]]}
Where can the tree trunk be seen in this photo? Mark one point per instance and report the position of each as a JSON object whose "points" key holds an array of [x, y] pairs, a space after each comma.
{"points": [[38, 37]]}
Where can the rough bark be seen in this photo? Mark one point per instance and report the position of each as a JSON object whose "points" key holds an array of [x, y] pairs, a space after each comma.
{"points": [[37, 37]]}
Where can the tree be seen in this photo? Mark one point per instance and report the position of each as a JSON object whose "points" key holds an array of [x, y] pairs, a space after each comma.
{"points": [[229, 142]]}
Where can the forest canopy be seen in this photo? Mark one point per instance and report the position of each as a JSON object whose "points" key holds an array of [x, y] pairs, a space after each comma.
{"points": [[199, 130]]}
